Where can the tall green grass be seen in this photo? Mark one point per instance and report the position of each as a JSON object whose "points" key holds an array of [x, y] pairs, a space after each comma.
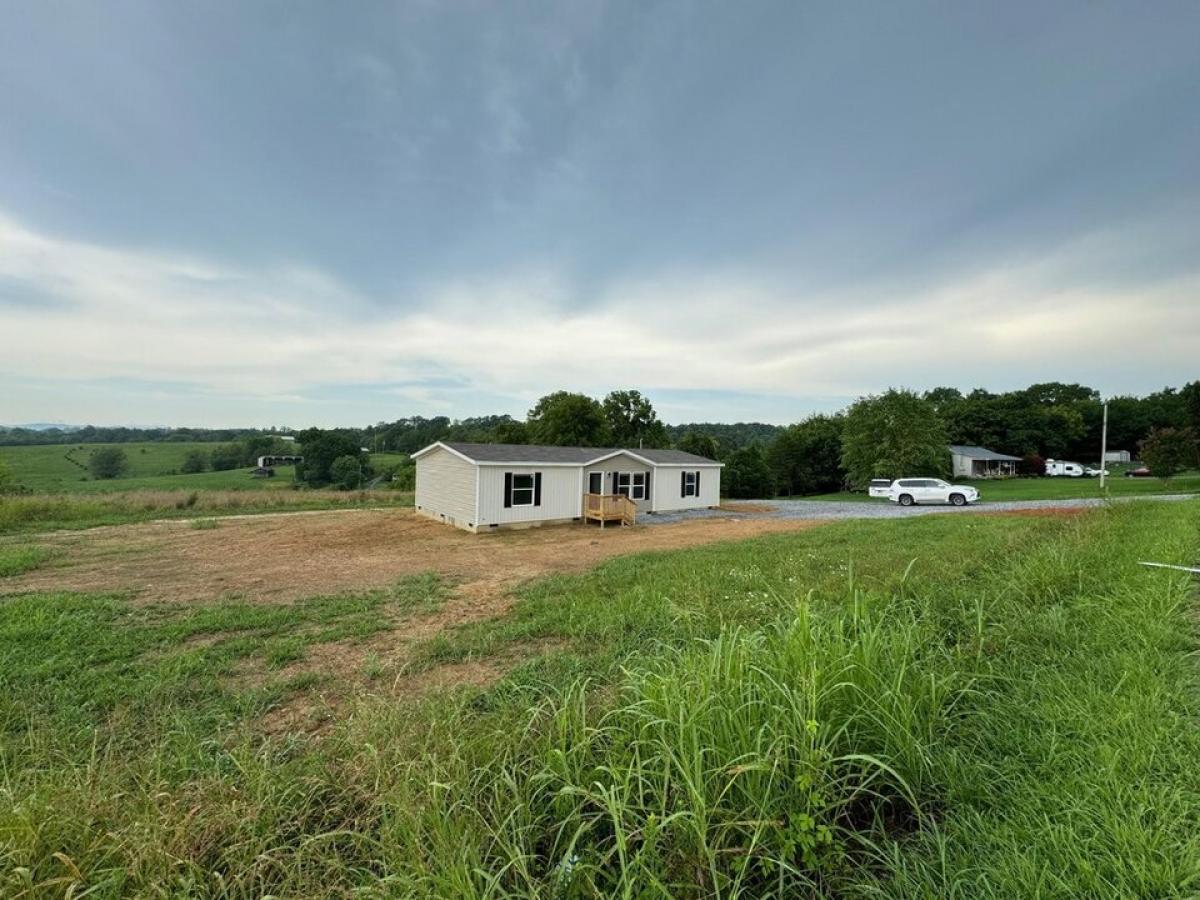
{"points": [[926, 708], [16, 559], [32, 513]]}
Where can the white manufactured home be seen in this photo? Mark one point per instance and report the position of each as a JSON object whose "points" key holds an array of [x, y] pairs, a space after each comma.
{"points": [[483, 486]]}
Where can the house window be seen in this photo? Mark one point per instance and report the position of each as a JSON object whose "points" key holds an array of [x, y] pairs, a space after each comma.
{"points": [[690, 484], [623, 483], [637, 487], [522, 489]]}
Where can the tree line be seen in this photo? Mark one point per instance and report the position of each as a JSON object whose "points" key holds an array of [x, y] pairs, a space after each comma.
{"points": [[887, 435], [92, 434]]}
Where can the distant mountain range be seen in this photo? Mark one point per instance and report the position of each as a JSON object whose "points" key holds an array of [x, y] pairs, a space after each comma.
{"points": [[42, 426]]}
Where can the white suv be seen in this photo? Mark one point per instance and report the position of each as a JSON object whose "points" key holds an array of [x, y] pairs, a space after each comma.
{"points": [[907, 491]]}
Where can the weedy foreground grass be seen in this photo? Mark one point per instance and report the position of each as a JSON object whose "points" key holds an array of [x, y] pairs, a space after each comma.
{"points": [[933, 707]]}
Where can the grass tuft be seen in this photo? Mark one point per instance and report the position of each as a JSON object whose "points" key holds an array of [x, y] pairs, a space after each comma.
{"points": [[16, 560]]}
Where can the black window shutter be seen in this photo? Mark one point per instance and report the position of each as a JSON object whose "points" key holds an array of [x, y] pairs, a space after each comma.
{"points": [[697, 482], [537, 489], [616, 482], [683, 484], [507, 490], [646, 494]]}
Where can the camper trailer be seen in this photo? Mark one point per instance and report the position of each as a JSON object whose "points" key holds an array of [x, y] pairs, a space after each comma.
{"points": [[1059, 467]]}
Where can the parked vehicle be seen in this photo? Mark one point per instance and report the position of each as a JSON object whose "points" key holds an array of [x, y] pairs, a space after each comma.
{"points": [[879, 487], [908, 491], [1091, 472], [1139, 472], [1061, 468]]}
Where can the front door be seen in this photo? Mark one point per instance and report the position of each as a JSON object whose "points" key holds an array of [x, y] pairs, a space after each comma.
{"points": [[595, 482]]}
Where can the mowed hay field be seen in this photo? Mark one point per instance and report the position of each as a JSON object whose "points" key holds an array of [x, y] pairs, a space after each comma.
{"points": [[59, 492], [153, 465], [998, 706]]}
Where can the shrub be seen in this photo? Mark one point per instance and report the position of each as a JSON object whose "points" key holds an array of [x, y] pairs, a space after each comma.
{"points": [[346, 473], [195, 461], [1031, 464], [226, 457], [108, 462], [405, 477]]}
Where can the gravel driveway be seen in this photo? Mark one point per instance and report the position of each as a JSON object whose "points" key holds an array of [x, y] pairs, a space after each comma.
{"points": [[881, 509]]}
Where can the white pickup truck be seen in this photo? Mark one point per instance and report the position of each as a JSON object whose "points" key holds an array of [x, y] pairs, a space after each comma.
{"points": [[907, 491]]}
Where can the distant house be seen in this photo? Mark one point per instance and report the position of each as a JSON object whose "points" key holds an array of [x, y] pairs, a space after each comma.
{"points": [[1117, 456], [980, 462], [483, 486], [265, 462]]}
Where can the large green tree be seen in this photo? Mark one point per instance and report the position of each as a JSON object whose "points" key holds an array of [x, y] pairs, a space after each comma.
{"points": [[320, 448], [747, 475], [1169, 451], [1189, 401], [565, 419], [893, 435], [806, 458], [346, 472], [701, 444], [632, 420], [508, 431]]}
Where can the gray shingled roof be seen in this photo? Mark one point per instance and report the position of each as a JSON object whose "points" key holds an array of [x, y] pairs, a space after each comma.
{"points": [[981, 453], [671, 457], [533, 453]]}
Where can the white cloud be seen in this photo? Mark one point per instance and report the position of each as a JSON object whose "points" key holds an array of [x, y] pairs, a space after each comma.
{"points": [[231, 332]]}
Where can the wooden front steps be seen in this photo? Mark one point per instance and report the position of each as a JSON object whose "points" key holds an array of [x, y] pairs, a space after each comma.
{"points": [[609, 508]]}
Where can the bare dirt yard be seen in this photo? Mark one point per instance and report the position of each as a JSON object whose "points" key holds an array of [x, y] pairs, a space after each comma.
{"points": [[283, 557]]}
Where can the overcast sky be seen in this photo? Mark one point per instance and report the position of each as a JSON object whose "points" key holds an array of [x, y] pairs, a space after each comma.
{"points": [[320, 213]]}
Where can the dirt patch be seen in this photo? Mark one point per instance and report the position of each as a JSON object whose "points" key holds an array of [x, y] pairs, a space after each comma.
{"points": [[315, 711], [286, 557], [283, 558]]}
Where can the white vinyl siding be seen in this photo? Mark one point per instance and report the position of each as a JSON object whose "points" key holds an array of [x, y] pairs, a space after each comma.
{"points": [[624, 465], [446, 487], [667, 483], [562, 495]]}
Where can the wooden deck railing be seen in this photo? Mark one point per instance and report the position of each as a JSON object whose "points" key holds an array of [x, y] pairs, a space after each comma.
{"points": [[609, 508]]}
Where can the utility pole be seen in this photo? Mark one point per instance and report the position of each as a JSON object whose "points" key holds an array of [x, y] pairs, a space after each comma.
{"points": [[1103, 446]]}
